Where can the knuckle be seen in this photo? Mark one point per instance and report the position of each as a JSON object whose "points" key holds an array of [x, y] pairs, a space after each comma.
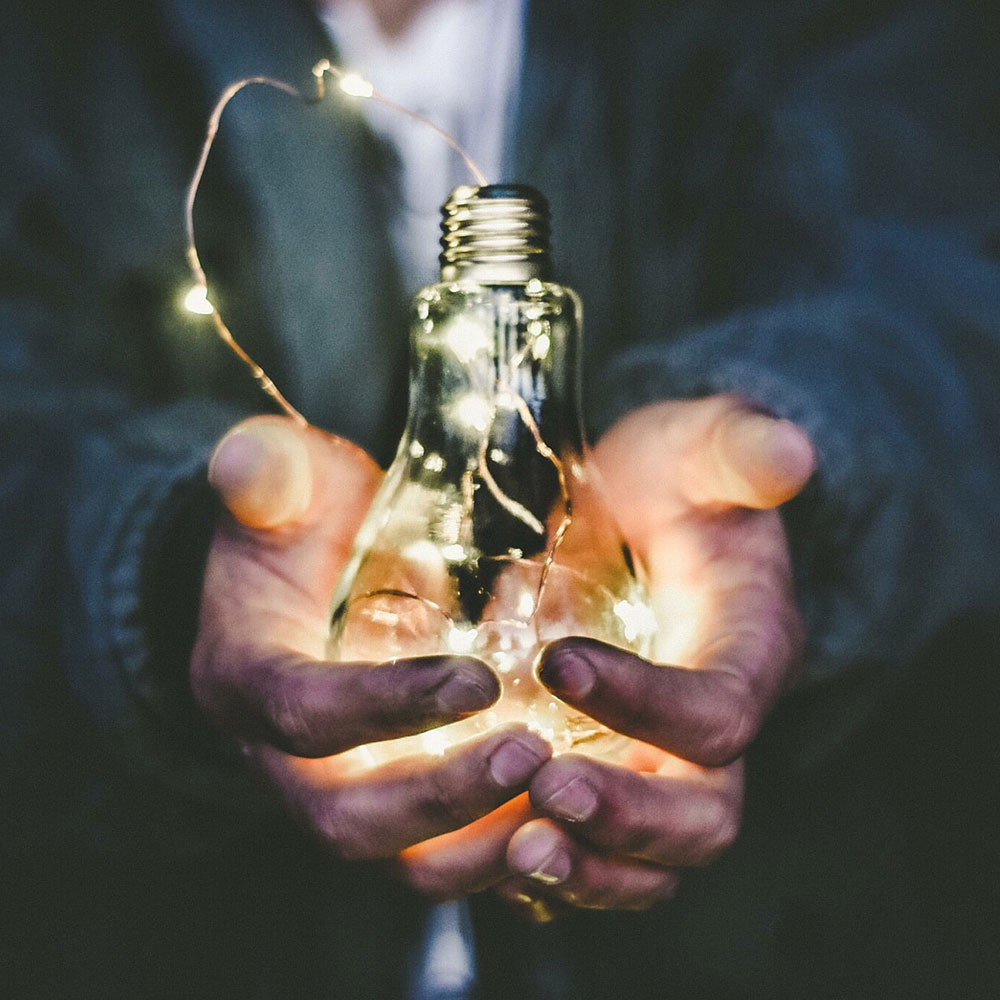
{"points": [[635, 890], [424, 877], [448, 803], [664, 889], [717, 830], [341, 833], [290, 723], [642, 838], [732, 722]]}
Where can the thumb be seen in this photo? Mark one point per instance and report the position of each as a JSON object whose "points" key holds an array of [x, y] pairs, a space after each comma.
{"points": [[262, 471], [748, 459], [271, 474]]}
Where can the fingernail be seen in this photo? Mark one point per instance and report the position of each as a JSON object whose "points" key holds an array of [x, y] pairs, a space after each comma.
{"points": [[576, 801], [463, 693], [568, 674], [513, 763], [540, 857]]}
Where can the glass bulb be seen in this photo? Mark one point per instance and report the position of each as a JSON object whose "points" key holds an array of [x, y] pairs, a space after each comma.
{"points": [[489, 536]]}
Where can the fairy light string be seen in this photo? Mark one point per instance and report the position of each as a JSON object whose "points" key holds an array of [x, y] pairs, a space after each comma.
{"points": [[348, 83], [198, 300]]}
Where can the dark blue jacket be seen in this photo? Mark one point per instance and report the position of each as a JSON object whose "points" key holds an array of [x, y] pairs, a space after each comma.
{"points": [[792, 201]]}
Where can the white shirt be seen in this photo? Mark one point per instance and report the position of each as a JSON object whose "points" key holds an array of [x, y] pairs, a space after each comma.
{"points": [[457, 63]]}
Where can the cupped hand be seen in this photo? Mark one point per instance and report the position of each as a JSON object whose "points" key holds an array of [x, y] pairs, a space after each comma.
{"points": [[295, 498], [696, 485]]}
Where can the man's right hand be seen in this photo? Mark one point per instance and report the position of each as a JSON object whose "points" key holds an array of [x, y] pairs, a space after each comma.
{"points": [[295, 498]]}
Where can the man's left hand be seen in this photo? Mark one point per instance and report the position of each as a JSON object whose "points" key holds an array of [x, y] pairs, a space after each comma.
{"points": [[696, 485]]}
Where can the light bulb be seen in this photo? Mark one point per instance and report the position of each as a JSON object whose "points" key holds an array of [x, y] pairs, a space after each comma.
{"points": [[489, 536]]}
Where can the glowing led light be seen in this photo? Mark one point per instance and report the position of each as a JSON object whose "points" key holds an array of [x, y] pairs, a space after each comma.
{"points": [[525, 605], [434, 462], [637, 619], [435, 742], [453, 553], [505, 663], [461, 640], [423, 552], [196, 301], [540, 348], [534, 287], [473, 411], [356, 86], [416, 449], [499, 456], [466, 338]]}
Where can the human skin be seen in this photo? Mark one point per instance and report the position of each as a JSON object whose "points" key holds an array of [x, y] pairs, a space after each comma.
{"points": [[393, 16], [697, 484]]}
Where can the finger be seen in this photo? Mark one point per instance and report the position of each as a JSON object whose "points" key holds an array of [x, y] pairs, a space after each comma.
{"points": [[271, 473], [268, 582], [315, 709], [381, 812], [554, 864], [468, 860], [528, 900], [742, 457], [680, 820], [718, 451], [708, 716]]}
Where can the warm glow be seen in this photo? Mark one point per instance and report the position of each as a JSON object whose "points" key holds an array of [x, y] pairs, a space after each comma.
{"points": [[638, 620], [679, 609], [356, 86], [422, 552], [474, 411], [466, 338], [196, 301], [461, 640], [434, 742]]}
